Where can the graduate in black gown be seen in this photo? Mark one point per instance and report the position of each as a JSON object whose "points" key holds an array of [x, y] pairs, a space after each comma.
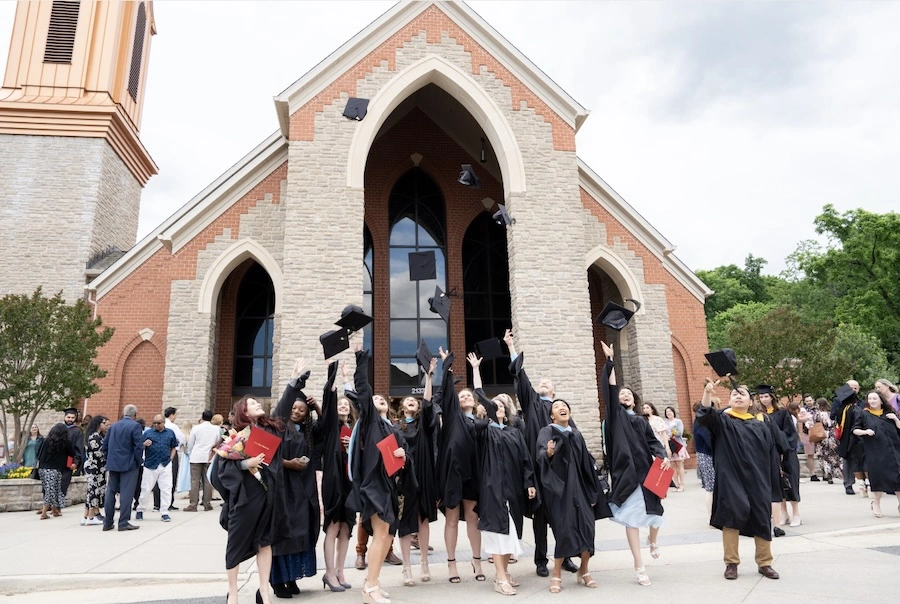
{"points": [[374, 493], [458, 469], [844, 413], [297, 500], [418, 426], [571, 490], [506, 481], [878, 427], [248, 488], [535, 404], [338, 415], [790, 463], [771, 458], [741, 496], [631, 446]]}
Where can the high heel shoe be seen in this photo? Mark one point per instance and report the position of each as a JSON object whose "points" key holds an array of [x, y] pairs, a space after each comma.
{"points": [[373, 595], [326, 584], [479, 576], [797, 521], [426, 574], [259, 599], [642, 577], [874, 513], [342, 582], [282, 590], [585, 580], [454, 574], [505, 588], [408, 580]]}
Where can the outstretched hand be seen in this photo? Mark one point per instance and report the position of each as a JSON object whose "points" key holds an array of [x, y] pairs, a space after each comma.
{"points": [[711, 385], [474, 360], [444, 354], [432, 367], [607, 350], [299, 368]]}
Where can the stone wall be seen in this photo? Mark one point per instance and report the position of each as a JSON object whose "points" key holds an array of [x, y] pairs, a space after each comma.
{"points": [[24, 494]]}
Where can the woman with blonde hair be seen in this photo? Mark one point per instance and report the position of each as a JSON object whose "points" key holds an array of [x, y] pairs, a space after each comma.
{"points": [[888, 393]]}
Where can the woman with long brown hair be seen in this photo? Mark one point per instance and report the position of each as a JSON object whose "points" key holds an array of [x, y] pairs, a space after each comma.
{"points": [[878, 427]]}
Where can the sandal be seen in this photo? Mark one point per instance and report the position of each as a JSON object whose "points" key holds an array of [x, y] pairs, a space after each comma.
{"points": [[513, 559], [511, 580], [654, 549], [374, 595], [479, 576], [585, 580], [872, 506], [555, 585], [504, 587], [408, 580], [642, 577], [426, 574], [454, 574]]}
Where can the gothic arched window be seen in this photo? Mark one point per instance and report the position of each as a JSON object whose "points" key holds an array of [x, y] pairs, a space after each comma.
{"points": [[253, 333]]}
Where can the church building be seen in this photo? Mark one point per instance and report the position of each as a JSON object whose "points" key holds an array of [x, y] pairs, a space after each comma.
{"points": [[220, 299]]}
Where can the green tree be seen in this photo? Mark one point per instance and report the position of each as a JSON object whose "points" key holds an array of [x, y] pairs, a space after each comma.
{"points": [[47, 352], [861, 268], [734, 285], [782, 349], [748, 312], [867, 358]]}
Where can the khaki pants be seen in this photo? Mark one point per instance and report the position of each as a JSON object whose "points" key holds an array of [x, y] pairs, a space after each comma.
{"points": [[730, 539]]}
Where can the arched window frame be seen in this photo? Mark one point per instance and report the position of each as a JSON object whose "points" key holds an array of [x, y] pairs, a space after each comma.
{"points": [[255, 284]]}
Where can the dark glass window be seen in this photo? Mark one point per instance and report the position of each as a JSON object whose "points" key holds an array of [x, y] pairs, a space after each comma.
{"points": [[253, 333], [417, 221], [487, 301], [369, 297]]}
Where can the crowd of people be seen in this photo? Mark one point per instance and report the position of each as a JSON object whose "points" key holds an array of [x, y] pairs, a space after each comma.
{"points": [[354, 462]]}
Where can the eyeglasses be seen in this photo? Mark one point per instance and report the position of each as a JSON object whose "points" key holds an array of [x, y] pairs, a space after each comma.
{"points": [[157, 423]]}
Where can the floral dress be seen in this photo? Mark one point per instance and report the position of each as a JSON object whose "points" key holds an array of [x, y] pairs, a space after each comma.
{"points": [[95, 470], [826, 449]]}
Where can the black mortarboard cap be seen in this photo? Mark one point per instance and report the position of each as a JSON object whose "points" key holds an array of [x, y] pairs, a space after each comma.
{"points": [[353, 318], [468, 178], [489, 349], [356, 108], [845, 393], [422, 266], [501, 216], [335, 341], [764, 389], [617, 317], [424, 356], [71, 410], [723, 362], [440, 303]]}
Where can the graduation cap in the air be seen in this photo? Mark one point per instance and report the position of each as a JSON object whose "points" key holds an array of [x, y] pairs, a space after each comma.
{"points": [[489, 349], [355, 109], [845, 393], [440, 303], [617, 317], [69, 410], [424, 356], [353, 318], [422, 266], [467, 177], [724, 363], [335, 341], [501, 216]]}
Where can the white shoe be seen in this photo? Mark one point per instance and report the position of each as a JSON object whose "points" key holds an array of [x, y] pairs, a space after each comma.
{"points": [[93, 522], [796, 521], [83, 521]]}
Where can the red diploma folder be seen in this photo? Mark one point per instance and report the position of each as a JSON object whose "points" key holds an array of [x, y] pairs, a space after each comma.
{"points": [[658, 480], [263, 442], [69, 461], [345, 431], [387, 446]]}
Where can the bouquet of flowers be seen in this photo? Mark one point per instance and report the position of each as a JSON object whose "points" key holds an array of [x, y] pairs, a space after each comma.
{"points": [[233, 447]]}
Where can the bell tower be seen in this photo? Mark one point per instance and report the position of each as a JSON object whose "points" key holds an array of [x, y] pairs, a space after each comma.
{"points": [[72, 165]]}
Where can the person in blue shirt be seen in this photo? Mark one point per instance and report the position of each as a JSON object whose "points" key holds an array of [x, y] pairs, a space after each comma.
{"points": [[160, 444]]}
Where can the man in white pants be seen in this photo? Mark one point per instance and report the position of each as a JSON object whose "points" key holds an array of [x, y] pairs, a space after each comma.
{"points": [[160, 445]]}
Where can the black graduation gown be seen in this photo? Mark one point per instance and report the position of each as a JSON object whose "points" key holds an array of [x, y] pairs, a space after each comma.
{"points": [[457, 461], [297, 497], [373, 493], [336, 485], [743, 491], [882, 451], [849, 445], [247, 507], [630, 449], [570, 488], [506, 473], [790, 462], [419, 436], [772, 458]]}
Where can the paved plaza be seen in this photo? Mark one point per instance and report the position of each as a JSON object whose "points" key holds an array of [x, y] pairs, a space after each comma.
{"points": [[841, 553]]}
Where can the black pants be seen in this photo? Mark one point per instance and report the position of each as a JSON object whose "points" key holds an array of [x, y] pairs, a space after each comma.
{"points": [[174, 467], [539, 524], [65, 482]]}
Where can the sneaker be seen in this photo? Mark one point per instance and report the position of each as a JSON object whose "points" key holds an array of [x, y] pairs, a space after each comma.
{"points": [[172, 508], [814, 478], [155, 509], [139, 515], [93, 521], [166, 518], [83, 521]]}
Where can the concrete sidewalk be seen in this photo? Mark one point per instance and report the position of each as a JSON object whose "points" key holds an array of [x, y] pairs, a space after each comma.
{"points": [[183, 561]]}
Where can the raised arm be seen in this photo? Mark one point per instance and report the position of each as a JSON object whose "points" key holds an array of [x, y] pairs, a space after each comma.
{"points": [[449, 400], [299, 375], [367, 411], [475, 362], [525, 392], [329, 418], [429, 380]]}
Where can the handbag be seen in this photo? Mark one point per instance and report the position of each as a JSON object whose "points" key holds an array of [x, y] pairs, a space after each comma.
{"points": [[35, 475], [817, 433], [675, 447], [785, 482]]}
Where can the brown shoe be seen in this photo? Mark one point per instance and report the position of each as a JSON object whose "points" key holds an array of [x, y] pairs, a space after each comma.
{"points": [[768, 572], [392, 558], [207, 507], [190, 508], [731, 571], [361, 563]]}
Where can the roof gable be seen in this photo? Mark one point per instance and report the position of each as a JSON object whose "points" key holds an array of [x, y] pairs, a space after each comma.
{"points": [[382, 29]]}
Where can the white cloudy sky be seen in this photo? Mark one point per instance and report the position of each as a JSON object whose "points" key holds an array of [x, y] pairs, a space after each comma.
{"points": [[727, 125]]}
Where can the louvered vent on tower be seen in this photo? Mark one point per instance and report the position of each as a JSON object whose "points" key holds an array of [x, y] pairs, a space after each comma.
{"points": [[137, 52], [61, 35]]}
